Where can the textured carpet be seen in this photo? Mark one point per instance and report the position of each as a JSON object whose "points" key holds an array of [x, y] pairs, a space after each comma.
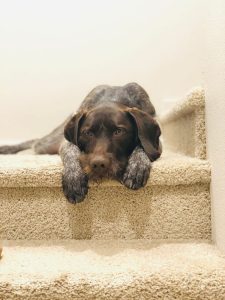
{"points": [[184, 125], [175, 203], [45, 171], [108, 246], [112, 270]]}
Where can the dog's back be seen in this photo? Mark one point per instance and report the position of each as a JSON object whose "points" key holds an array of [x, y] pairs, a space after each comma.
{"points": [[130, 95]]}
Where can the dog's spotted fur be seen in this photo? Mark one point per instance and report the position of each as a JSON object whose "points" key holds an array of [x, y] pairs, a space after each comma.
{"points": [[74, 181], [137, 170]]}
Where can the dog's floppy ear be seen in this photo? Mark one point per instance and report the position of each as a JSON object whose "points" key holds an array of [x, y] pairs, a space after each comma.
{"points": [[148, 132], [71, 130]]}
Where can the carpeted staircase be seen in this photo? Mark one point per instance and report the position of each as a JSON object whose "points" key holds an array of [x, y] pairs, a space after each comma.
{"points": [[154, 243]]}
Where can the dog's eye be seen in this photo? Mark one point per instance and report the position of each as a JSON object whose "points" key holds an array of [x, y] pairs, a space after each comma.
{"points": [[119, 131], [87, 133]]}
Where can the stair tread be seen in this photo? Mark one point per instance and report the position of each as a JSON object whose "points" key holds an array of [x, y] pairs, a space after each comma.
{"points": [[190, 102], [105, 269], [45, 170]]}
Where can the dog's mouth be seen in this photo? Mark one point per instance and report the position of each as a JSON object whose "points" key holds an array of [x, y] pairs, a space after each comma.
{"points": [[97, 169], [95, 176]]}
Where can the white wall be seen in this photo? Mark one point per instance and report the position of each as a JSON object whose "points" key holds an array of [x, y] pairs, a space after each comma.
{"points": [[214, 77], [53, 52]]}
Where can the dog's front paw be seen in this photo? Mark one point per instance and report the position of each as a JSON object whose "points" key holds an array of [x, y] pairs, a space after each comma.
{"points": [[138, 169], [136, 176], [75, 186]]}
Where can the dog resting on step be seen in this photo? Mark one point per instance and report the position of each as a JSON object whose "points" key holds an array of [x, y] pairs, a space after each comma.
{"points": [[113, 135]]}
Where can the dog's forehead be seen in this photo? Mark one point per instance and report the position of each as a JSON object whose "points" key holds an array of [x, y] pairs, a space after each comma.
{"points": [[107, 114]]}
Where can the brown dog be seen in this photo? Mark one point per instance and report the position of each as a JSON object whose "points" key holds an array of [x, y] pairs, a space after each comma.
{"points": [[114, 134], [108, 134]]}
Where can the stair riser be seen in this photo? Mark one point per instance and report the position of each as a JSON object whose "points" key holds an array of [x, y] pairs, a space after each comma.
{"points": [[154, 289], [156, 212]]}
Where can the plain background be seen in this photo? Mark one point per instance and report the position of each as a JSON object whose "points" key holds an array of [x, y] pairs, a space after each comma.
{"points": [[52, 53]]}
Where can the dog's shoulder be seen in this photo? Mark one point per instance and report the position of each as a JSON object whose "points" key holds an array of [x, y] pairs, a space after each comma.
{"points": [[139, 98]]}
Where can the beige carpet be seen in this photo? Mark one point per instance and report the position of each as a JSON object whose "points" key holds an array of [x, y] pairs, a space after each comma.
{"points": [[112, 270], [45, 171], [175, 204], [108, 246], [184, 125]]}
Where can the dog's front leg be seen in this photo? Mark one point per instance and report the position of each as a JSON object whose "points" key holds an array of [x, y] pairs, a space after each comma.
{"points": [[138, 169], [74, 181]]}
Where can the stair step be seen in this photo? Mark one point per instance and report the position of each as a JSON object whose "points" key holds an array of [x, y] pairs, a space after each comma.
{"points": [[175, 204], [111, 270], [183, 126], [45, 171]]}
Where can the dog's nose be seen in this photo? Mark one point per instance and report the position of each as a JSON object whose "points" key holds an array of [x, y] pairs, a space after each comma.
{"points": [[99, 164]]}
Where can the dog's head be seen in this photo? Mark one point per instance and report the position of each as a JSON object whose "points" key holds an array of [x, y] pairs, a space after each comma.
{"points": [[108, 134]]}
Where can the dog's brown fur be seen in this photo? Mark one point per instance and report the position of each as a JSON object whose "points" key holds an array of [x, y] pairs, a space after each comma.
{"points": [[108, 134], [113, 134]]}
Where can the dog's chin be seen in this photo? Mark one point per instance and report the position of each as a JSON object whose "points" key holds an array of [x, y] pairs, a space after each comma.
{"points": [[115, 173], [98, 177], [107, 174]]}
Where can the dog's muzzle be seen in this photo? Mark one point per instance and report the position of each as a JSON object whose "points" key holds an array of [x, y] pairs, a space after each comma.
{"points": [[99, 165]]}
